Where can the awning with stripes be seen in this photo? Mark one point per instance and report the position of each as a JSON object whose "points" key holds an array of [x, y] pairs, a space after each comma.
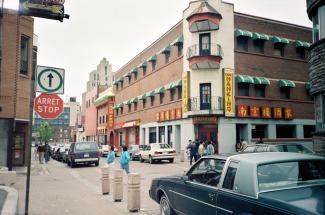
{"points": [[280, 40], [261, 80], [153, 58], [143, 97], [244, 79], [120, 79], [135, 70], [150, 94], [179, 41], [178, 83], [144, 64], [134, 100], [128, 74], [166, 49], [307, 86], [302, 44], [127, 102], [115, 82], [259, 36], [119, 105], [170, 86], [160, 90], [286, 83], [243, 33]]}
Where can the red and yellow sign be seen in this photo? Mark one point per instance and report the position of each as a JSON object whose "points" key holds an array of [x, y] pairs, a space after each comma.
{"points": [[179, 113], [162, 116], [185, 91], [158, 117], [167, 118], [277, 113], [255, 111], [205, 119], [110, 115], [229, 92], [288, 113], [266, 112], [242, 111], [172, 114]]}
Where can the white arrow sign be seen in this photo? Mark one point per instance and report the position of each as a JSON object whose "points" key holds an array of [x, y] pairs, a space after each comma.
{"points": [[50, 80]]}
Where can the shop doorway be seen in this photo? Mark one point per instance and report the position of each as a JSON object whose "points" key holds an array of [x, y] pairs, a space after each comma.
{"points": [[111, 139], [19, 149], [210, 133]]}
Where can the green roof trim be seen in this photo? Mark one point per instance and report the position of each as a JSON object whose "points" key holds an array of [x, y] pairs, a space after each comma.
{"points": [[150, 94], [261, 80], [153, 58], [178, 83], [128, 74], [243, 33], [166, 49], [259, 36], [307, 86], [128, 102], [244, 79], [134, 100], [179, 40], [144, 64], [170, 86], [302, 44], [102, 99], [135, 70], [286, 83], [280, 40], [143, 97], [160, 90]]}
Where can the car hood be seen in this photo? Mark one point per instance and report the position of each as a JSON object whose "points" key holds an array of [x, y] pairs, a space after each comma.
{"points": [[304, 200]]}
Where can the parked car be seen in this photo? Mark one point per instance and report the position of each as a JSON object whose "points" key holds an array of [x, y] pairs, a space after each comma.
{"points": [[254, 183], [134, 151], [104, 149], [65, 156], [83, 153], [277, 147], [157, 152]]}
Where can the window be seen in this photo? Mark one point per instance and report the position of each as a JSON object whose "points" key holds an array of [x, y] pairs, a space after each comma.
{"points": [[100, 120], [179, 92], [135, 76], [243, 89], [167, 56], [172, 94], [205, 96], [152, 101], [229, 180], [162, 134], [285, 92], [285, 131], [24, 44], [144, 69], [242, 43], [308, 131], [153, 63], [121, 84], [129, 108], [116, 111], [180, 49], [278, 49], [121, 111], [162, 95], [260, 90], [144, 102], [300, 52], [258, 46], [315, 27], [135, 106], [105, 70], [152, 135], [259, 131]]}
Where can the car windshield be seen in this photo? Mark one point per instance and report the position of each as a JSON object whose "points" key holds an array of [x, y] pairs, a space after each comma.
{"points": [[85, 146], [290, 174], [291, 148], [161, 146]]}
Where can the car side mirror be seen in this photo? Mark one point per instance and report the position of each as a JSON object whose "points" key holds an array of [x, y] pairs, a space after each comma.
{"points": [[185, 178]]}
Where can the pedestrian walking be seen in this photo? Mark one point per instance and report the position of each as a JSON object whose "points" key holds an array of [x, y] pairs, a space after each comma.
{"points": [[36, 152], [210, 149], [40, 150], [201, 149], [46, 153], [125, 159], [260, 141], [111, 159], [238, 146], [193, 151], [243, 144]]}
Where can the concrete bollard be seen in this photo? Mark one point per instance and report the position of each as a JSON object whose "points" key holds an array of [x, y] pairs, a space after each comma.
{"points": [[182, 156], [105, 180], [118, 185], [134, 202], [7, 178]]}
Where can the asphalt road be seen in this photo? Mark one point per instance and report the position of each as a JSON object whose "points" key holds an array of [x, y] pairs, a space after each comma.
{"points": [[59, 189]]}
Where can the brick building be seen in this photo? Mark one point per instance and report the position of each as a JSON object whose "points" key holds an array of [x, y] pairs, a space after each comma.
{"points": [[220, 89], [18, 62]]}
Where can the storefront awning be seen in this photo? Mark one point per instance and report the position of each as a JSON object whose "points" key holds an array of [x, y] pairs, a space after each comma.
{"points": [[170, 86], [135, 70], [243, 33], [160, 90], [261, 80], [101, 127], [120, 79], [128, 74], [259, 36], [130, 124], [143, 97], [153, 58], [166, 49], [119, 105], [307, 86], [115, 82], [127, 102], [151, 94], [244, 79], [287, 83], [144, 64], [179, 41], [301, 44], [280, 40], [134, 100], [178, 83]]}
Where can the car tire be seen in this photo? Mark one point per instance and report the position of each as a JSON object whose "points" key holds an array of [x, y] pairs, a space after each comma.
{"points": [[141, 159], [171, 160], [165, 208], [151, 161]]}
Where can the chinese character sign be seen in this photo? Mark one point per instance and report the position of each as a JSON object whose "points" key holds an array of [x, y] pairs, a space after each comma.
{"points": [[288, 113], [179, 113], [185, 93], [277, 113], [266, 112], [110, 115], [158, 117], [242, 111], [229, 92], [255, 111], [162, 116], [167, 118], [172, 115]]}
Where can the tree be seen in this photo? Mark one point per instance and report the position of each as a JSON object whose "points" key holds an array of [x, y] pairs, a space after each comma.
{"points": [[45, 133]]}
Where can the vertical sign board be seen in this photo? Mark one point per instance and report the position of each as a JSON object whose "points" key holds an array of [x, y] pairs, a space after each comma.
{"points": [[228, 83], [49, 80], [110, 115], [186, 91]]}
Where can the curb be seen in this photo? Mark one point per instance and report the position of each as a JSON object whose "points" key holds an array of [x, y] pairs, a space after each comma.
{"points": [[10, 206]]}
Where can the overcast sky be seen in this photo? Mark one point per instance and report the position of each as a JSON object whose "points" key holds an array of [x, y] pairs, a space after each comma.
{"points": [[118, 30]]}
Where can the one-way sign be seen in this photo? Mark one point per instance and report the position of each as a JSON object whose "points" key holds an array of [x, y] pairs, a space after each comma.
{"points": [[50, 80]]}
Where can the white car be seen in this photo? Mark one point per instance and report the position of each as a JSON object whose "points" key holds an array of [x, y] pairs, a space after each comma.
{"points": [[157, 152], [103, 150]]}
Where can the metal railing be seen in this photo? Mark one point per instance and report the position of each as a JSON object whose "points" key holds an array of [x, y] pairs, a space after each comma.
{"points": [[206, 49], [212, 103]]}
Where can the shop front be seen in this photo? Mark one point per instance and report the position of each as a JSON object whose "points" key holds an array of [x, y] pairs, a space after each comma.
{"points": [[206, 128], [127, 133]]}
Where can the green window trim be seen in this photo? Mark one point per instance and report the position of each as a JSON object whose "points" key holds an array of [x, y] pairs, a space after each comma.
{"points": [[151, 94], [179, 40], [302, 44], [259, 36], [166, 49], [307, 86], [287, 83], [135, 70], [244, 79], [153, 58], [143, 65], [280, 40], [160, 90], [261, 80], [243, 33]]}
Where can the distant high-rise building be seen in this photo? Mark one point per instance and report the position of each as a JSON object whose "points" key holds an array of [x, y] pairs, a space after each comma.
{"points": [[103, 75]]}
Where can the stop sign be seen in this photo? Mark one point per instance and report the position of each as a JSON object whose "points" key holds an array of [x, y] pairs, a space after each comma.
{"points": [[48, 106]]}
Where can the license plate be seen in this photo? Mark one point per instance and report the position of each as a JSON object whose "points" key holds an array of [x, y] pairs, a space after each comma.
{"points": [[166, 153], [86, 155]]}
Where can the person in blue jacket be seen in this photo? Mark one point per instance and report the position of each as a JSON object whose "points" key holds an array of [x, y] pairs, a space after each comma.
{"points": [[111, 158], [125, 159]]}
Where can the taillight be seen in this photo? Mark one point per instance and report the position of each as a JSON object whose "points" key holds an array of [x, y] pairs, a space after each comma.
{"points": [[172, 152], [157, 153]]}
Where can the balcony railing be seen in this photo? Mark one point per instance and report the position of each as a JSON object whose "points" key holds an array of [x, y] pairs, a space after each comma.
{"points": [[205, 49], [214, 103]]}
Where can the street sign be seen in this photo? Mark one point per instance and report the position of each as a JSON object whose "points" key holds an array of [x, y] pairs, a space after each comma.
{"points": [[48, 106], [49, 80]]}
